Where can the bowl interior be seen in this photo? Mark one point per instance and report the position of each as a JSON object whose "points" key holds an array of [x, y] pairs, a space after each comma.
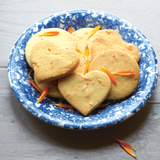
{"points": [[116, 112]]}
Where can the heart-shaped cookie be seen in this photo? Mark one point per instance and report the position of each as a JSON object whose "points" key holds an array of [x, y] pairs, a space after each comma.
{"points": [[85, 92], [51, 62]]}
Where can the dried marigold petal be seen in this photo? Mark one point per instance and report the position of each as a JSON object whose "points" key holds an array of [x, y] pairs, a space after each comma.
{"points": [[34, 85], [94, 30], [64, 106], [127, 147], [70, 29], [86, 68], [50, 33], [29, 75], [86, 52], [124, 73], [110, 75], [103, 104], [71, 107], [43, 94], [100, 82], [78, 51]]}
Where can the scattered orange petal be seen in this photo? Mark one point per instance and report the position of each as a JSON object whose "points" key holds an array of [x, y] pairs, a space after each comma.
{"points": [[34, 85], [110, 75], [70, 29], [43, 94], [64, 106], [29, 75], [86, 52], [71, 107], [86, 68], [124, 73], [127, 147], [103, 104], [94, 31], [50, 33], [78, 51]]}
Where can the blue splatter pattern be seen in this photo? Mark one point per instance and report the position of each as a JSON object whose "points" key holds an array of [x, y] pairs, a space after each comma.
{"points": [[117, 112]]}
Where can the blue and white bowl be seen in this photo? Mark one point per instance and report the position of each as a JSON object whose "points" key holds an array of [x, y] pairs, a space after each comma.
{"points": [[18, 70]]}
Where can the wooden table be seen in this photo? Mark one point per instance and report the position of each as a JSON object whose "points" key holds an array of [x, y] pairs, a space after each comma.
{"points": [[24, 137]]}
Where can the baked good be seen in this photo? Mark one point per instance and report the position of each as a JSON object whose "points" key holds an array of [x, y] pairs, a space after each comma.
{"points": [[63, 40], [81, 37], [85, 92], [115, 60], [50, 62], [111, 39], [53, 90]]}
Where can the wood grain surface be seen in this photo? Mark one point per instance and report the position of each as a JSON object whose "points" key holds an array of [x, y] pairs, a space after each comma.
{"points": [[24, 137]]}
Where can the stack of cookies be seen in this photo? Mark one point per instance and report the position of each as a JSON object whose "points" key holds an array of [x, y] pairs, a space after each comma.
{"points": [[74, 65]]}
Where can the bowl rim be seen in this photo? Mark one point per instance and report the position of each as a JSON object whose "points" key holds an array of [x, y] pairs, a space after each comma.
{"points": [[79, 10]]}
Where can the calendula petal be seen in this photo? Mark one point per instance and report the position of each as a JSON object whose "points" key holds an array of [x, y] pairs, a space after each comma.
{"points": [[110, 75], [64, 106], [70, 29], [78, 51], [50, 33], [104, 104], [86, 68], [100, 82], [29, 75], [124, 73], [86, 52], [71, 107], [43, 94], [127, 147], [94, 30], [34, 85]]}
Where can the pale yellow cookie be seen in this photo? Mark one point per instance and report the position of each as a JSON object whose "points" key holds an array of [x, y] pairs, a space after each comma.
{"points": [[85, 92], [81, 37], [63, 40], [117, 60], [53, 90], [111, 39], [81, 66], [52, 62]]}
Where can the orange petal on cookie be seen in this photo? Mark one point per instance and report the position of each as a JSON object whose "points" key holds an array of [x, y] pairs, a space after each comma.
{"points": [[29, 75], [50, 33], [78, 51], [94, 31], [64, 106], [70, 29], [86, 52], [124, 73], [127, 147], [43, 94], [110, 75], [86, 68], [100, 82], [34, 85]]}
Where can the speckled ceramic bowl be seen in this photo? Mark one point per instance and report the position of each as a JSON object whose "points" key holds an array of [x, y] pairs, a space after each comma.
{"points": [[117, 112]]}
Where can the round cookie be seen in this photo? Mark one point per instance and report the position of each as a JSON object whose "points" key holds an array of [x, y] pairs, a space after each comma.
{"points": [[85, 92], [50, 62], [53, 90], [117, 60], [111, 39], [64, 40]]}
